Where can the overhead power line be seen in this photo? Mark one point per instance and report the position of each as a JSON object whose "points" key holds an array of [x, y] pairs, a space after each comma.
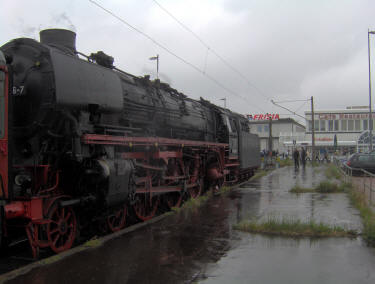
{"points": [[235, 70], [293, 112], [174, 54]]}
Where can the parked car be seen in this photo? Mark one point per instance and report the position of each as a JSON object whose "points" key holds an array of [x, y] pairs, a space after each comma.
{"points": [[362, 161]]}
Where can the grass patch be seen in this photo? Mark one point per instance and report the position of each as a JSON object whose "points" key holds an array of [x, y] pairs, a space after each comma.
{"points": [[51, 259], [259, 174], [93, 243], [315, 164], [333, 172], [368, 216], [193, 203], [286, 162], [322, 187], [299, 189], [224, 190], [293, 228], [328, 187]]}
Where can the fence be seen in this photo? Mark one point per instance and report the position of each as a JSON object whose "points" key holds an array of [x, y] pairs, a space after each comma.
{"points": [[362, 180]]}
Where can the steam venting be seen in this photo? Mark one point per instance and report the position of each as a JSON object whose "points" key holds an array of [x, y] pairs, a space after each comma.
{"points": [[65, 40]]}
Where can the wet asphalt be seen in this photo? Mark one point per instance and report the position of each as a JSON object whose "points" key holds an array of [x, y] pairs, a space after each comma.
{"points": [[200, 246]]}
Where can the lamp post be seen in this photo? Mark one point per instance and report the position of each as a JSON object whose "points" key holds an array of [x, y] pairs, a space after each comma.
{"points": [[312, 130], [369, 86], [157, 64], [225, 102]]}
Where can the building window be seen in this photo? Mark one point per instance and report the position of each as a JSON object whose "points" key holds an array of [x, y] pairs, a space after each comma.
{"points": [[357, 125], [365, 124], [266, 128], [350, 125], [344, 125], [330, 125], [310, 125], [336, 125], [316, 125], [322, 125], [259, 128]]}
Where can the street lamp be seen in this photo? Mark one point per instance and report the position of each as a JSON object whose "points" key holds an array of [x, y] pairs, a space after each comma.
{"points": [[225, 102], [369, 85], [157, 64]]}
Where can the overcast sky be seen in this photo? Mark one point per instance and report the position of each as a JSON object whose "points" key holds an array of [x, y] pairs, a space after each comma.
{"points": [[283, 49]]}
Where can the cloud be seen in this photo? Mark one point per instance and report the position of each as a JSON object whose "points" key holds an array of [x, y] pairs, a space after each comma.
{"points": [[63, 19], [340, 86], [287, 49]]}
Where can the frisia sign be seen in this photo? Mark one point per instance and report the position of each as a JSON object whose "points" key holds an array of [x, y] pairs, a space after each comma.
{"points": [[267, 116]]}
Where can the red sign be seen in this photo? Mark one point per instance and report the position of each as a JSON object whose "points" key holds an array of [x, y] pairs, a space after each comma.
{"points": [[267, 116]]}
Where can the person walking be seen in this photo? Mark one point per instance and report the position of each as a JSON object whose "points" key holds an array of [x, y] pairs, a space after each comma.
{"points": [[296, 158], [303, 157]]}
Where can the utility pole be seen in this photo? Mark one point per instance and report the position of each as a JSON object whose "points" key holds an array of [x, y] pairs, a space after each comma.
{"points": [[270, 146], [369, 87], [312, 130]]}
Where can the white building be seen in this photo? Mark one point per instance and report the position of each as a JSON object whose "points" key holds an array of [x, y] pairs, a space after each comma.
{"points": [[261, 124], [350, 126]]}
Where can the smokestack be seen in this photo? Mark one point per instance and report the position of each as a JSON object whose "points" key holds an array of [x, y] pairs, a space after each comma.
{"points": [[65, 40]]}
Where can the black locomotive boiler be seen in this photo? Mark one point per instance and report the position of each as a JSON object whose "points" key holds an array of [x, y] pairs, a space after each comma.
{"points": [[83, 143]]}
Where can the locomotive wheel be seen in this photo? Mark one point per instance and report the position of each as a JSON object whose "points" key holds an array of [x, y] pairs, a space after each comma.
{"points": [[61, 230], [117, 220], [174, 199], [145, 207], [197, 190]]}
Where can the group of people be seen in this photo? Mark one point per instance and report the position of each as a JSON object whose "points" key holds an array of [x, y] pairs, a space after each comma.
{"points": [[297, 156], [303, 155]]}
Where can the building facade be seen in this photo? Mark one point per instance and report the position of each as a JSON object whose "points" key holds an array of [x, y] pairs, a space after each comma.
{"points": [[261, 125], [348, 127]]}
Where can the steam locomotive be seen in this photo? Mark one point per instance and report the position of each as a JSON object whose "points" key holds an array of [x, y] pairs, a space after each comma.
{"points": [[83, 143]]}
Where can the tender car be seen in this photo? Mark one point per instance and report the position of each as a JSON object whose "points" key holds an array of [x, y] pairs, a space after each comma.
{"points": [[362, 161]]}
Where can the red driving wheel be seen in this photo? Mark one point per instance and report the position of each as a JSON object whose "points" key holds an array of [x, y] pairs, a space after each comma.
{"points": [[62, 228]]}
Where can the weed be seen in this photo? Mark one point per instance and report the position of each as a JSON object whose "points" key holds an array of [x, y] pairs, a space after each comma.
{"points": [[259, 174], [286, 162], [51, 259], [368, 216], [225, 189], [315, 164], [294, 228], [299, 189], [322, 187], [193, 203], [93, 243], [333, 172], [328, 187]]}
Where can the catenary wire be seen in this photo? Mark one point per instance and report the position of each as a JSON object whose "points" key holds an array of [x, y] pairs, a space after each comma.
{"points": [[230, 66], [174, 54]]}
